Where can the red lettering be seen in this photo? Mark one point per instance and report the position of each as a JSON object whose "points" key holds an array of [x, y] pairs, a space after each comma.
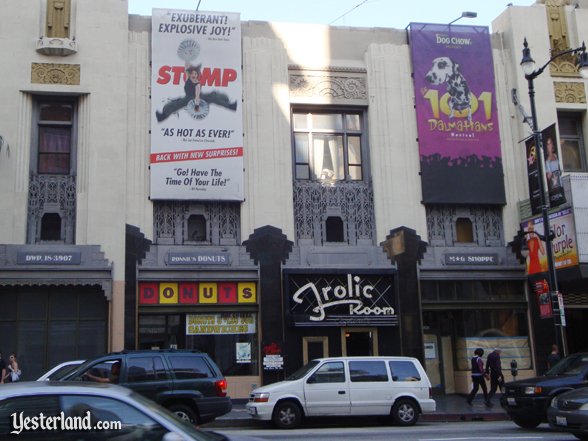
{"points": [[164, 76], [228, 76], [175, 74], [210, 78]]}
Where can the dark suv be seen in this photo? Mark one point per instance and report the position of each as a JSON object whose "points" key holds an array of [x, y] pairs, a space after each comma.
{"points": [[526, 401], [186, 382]]}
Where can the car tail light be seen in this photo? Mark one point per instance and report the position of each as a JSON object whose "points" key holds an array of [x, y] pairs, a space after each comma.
{"points": [[221, 387], [430, 392]]}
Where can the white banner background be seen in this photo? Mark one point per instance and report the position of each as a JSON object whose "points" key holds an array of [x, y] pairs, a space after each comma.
{"points": [[196, 152]]}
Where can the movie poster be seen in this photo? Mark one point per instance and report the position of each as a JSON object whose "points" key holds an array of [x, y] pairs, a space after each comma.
{"points": [[563, 244], [196, 106], [457, 118], [533, 175], [555, 188]]}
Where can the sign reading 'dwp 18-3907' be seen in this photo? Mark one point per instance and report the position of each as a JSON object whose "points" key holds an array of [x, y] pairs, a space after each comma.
{"points": [[190, 293]]}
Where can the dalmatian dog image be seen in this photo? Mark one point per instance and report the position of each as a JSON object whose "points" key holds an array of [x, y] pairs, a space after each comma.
{"points": [[445, 70]]}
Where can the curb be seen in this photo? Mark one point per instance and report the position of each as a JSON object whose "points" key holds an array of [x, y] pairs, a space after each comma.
{"points": [[360, 421]]}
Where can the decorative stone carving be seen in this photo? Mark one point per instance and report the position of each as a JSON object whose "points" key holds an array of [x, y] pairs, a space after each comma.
{"points": [[568, 92], [52, 194], [56, 46], [354, 202], [316, 85], [565, 65], [170, 221], [486, 222], [51, 73]]}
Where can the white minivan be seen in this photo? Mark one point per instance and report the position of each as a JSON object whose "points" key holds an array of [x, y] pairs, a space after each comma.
{"points": [[343, 386]]}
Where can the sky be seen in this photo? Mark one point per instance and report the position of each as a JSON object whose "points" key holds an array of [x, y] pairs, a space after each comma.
{"points": [[364, 13]]}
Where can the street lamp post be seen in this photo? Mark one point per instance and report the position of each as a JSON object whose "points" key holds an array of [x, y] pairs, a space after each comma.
{"points": [[528, 66], [464, 14]]}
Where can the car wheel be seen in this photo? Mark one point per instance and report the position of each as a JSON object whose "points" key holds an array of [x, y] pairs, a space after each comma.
{"points": [[526, 422], [287, 415], [184, 412], [405, 412]]}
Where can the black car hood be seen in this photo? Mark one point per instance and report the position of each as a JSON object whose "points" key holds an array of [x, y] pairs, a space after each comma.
{"points": [[548, 381]]}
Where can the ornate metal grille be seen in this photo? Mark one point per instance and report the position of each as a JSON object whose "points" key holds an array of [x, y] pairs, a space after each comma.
{"points": [[486, 223], [170, 221], [352, 201], [52, 194]]}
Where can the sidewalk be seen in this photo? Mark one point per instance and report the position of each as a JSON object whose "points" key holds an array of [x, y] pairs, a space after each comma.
{"points": [[449, 408]]}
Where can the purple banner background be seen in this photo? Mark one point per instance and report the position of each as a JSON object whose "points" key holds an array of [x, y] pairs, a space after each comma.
{"points": [[456, 150]]}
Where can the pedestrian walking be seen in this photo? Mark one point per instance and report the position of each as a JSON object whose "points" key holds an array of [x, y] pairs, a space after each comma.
{"points": [[478, 378], [494, 371], [553, 357], [13, 368]]}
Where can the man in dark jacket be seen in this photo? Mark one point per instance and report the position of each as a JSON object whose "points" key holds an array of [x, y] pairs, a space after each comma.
{"points": [[494, 370]]}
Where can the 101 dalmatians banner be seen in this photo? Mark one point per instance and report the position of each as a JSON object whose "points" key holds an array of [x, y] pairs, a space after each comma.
{"points": [[196, 106], [457, 121]]}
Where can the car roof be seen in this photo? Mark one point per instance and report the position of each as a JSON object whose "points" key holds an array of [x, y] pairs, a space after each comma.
{"points": [[157, 351], [59, 387], [369, 357]]}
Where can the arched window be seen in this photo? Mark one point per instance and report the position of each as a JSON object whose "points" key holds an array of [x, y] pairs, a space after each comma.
{"points": [[464, 230], [51, 226], [197, 228], [334, 229]]}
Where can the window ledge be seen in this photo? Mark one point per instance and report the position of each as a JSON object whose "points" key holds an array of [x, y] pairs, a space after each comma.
{"points": [[57, 46]]}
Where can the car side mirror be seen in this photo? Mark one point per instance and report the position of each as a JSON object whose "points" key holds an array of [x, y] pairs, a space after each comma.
{"points": [[311, 380]]}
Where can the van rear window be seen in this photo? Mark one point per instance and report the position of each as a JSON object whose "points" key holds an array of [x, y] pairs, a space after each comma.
{"points": [[366, 371], [404, 371]]}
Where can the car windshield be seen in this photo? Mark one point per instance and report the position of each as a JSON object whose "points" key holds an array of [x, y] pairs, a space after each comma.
{"points": [[303, 371], [570, 365], [62, 372]]}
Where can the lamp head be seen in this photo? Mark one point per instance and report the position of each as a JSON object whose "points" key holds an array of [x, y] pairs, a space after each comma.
{"points": [[527, 63], [465, 14]]}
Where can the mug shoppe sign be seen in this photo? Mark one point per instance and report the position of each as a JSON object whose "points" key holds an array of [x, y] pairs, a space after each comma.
{"points": [[341, 299]]}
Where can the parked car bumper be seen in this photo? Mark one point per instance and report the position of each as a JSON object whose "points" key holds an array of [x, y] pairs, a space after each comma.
{"points": [[428, 406], [260, 411], [525, 405], [573, 422], [210, 408]]}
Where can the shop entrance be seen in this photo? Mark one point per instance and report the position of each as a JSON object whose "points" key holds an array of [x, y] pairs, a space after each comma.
{"points": [[314, 347], [359, 341]]}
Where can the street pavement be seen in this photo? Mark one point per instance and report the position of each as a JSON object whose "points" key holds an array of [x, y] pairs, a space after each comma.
{"points": [[450, 408]]}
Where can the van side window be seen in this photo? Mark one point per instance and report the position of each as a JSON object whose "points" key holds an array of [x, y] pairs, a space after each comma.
{"points": [[404, 371], [364, 371], [332, 372], [189, 367]]}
